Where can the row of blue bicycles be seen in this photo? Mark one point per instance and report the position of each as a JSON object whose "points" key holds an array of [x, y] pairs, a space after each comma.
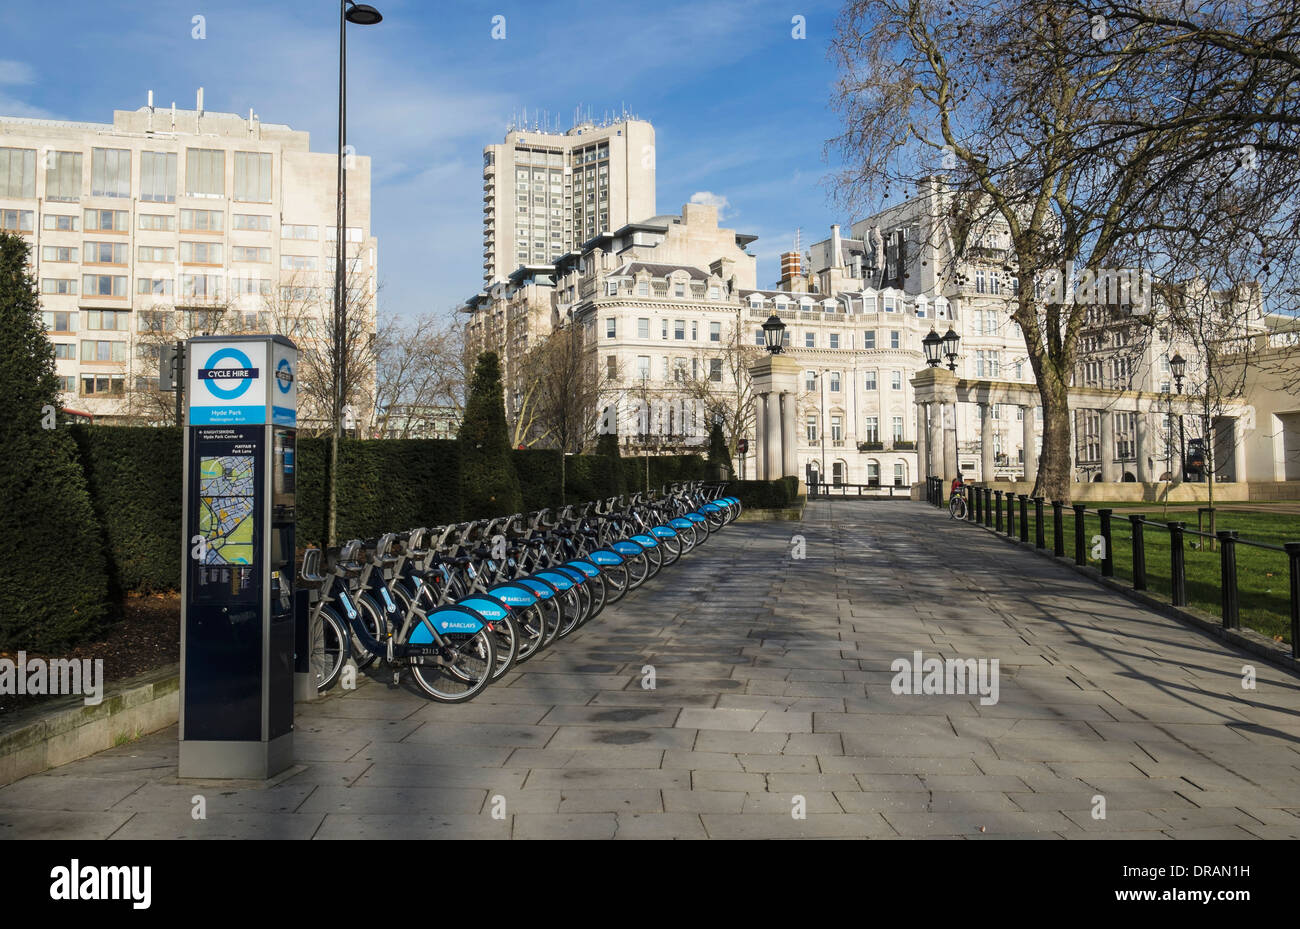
{"points": [[460, 605]]}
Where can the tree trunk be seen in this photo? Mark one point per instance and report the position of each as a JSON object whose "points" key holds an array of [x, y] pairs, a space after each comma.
{"points": [[1054, 480], [331, 531]]}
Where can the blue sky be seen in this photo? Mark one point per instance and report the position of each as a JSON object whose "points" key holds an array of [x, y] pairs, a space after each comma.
{"points": [[740, 108]]}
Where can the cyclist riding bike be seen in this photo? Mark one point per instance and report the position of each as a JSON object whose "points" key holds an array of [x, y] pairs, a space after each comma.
{"points": [[957, 505]]}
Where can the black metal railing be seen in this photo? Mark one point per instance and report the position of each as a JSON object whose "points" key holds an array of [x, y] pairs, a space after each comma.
{"points": [[854, 491], [987, 510]]}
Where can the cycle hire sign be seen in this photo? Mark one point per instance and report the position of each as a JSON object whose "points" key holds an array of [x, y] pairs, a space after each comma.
{"points": [[228, 382], [284, 395]]}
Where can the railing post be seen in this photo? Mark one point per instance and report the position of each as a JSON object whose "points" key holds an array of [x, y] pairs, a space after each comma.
{"points": [[1228, 577], [1139, 553], [998, 508], [1080, 548], [1011, 515], [1107, 555], [1177, 565], [1058, 530], [975, 503], [988, 506], [1293, 554], [1024, 517], [1039, 529]]}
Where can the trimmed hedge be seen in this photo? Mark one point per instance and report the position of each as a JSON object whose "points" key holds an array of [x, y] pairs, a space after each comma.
{"points": [[765, 495], [135, 479], [539, 476]]}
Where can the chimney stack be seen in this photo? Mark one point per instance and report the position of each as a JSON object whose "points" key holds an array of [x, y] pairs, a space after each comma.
{"points": [[837, 255], [199, 105], [792, 279]]}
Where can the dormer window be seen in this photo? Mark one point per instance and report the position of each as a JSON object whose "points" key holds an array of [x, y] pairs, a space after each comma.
{"points": [[756, 302]]}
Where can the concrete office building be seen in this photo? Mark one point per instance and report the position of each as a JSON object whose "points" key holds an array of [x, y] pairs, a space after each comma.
{"points": [[167, 223], [545, 193]]}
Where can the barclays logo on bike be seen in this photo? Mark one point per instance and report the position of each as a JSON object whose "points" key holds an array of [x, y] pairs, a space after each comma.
{"points": [[448, 625]]}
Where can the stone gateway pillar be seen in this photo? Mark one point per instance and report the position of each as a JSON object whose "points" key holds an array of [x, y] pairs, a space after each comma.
{"points": [[986, 442], [775, 380]]}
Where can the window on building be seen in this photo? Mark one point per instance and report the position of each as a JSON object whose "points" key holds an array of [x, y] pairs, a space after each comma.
{"points": [[253, 177], [105, 253], [870, 381], [811, 428], [153, 222], [900, 474], [873, 473], [18, 173], [16, 220], [871, 429], [252, 222], [59, 222], [679, 289], [202, 220], [898, 428], [679, 330], [611, 288], [103, 285], [65, 351], [810, 340], [895, 339], [249, 253], [611, 328], [834, 340], [869, 338], [108, 385], [158, 177], [155, 253], [664, 329], [103, 351], [715, 332], [715, 370], [759, 339], [643, 289], [116, 320], [611, 367], [810, 380], [896, 380], [837, 429], [59, 253], [60, 321], [202, 253], [58, 285], [201, 286], [835, 382], [63, 176], [643, 328], [643, 366], [205, 172], [110, 172]]}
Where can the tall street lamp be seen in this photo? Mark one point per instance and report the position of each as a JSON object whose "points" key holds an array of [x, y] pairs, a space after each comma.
{"points": [[1178, 367], [950, 342], [774, 333], [359, 14], [933, 345]]}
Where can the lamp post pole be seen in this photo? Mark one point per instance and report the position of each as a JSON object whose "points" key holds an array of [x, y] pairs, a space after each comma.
{"points": [[362, 15]]}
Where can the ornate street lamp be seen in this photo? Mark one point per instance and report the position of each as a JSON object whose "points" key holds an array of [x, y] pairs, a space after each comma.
{"points": [[774, 333], [950, 342], [933, 345], [1178, 365]]}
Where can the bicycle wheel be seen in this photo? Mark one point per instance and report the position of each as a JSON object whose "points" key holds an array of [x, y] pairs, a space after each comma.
{"points": [[957, 508], [532, 631], [471, 659], [616, 581], [329, 648]]}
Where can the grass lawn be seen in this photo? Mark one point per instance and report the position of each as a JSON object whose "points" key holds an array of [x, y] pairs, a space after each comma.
{"points": [[1263, 579]]}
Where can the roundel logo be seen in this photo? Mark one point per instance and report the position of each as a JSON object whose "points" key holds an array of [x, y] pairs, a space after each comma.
{"points": [[284, 375], [232, 380]]}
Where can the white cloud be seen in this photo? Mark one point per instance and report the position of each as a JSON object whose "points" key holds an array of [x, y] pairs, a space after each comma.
{"points": [[709, 198], [15, 72]]}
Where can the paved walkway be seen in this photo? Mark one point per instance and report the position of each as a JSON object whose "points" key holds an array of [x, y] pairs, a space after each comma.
{"points": [[772, 690]]}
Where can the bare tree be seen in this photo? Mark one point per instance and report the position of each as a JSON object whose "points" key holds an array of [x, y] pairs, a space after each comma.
{"points": [[723, 384], [419, 369], [1076, 136]]}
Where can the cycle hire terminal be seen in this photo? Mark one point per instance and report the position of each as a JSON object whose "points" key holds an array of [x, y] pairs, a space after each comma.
{"points": [[237, 616]]}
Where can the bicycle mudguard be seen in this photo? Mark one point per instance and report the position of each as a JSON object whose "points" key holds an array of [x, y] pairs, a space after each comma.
{"points": [[486, 606], [555, 579], [680, 522], [569, 572], [513, 595], [696, 518], [628, 549], [710, 508], [603, 556], [663, 532], [649, 541], [451, 618], [542, 589], [585, 567]]}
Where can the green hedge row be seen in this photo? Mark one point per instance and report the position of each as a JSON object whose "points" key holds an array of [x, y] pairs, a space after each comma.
{"points": [[135, 481], [765, 495]]}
